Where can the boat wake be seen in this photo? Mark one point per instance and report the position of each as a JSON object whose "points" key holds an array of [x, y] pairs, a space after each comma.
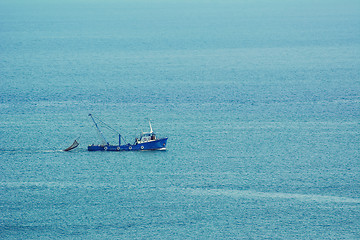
{"points": [[32, 151], [273, 195]]}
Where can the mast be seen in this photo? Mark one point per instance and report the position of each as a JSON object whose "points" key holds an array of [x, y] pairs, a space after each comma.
{"points": [[98, 129], [151, 130]]}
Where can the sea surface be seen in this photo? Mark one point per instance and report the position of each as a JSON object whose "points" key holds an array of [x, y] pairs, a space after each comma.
{"points": [[260, 101]]}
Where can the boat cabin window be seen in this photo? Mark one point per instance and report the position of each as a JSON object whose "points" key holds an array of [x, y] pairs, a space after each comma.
{"points": [[148, 137]]}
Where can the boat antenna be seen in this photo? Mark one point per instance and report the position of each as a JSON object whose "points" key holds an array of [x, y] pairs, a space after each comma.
{"points": [[151, 130], [102, 135]]}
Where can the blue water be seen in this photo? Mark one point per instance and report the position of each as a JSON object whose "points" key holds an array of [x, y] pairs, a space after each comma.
{"points": [[260, 101]]}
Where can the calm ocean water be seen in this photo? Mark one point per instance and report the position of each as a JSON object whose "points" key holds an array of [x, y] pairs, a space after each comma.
{"points": [[260, 101]]}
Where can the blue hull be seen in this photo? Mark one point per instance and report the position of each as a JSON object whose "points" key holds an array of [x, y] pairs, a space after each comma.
{"points": [[159, 144]]}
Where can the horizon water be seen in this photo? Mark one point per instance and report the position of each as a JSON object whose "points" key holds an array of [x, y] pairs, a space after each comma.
{"points": [[260, 101]]}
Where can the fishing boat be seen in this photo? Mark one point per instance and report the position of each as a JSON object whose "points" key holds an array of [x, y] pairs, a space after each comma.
{"points": [[146, 141]]}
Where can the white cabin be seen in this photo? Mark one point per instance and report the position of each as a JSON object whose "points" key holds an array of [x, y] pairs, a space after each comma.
{"points": [[146, 136]]}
